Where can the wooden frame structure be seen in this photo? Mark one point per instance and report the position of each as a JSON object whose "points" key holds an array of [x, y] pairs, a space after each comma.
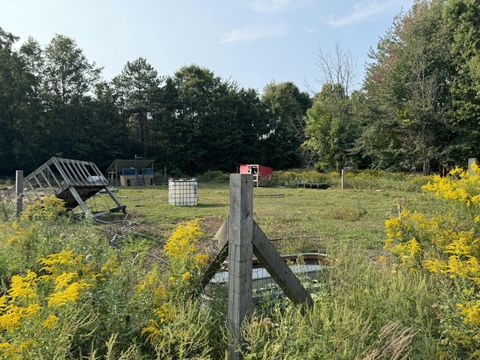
{"points": [[72, 181], [239, 238], [139, 164]]}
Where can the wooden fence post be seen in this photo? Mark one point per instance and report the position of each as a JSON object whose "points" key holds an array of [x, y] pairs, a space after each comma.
{"points": [[343, 178], [240, 251], [471, 161], [19, 189]]}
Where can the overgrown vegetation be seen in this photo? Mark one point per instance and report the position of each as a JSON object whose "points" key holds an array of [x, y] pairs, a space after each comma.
{"points": [[131, 300], [447, 246]]}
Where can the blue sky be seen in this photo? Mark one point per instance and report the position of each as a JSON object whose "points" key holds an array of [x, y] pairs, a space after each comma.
{"points": [[251, 42]]}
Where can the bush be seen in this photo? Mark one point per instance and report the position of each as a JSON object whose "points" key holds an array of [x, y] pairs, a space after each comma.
{"points": [[216, 176], [47, 209], [447, 247], [67, 293], [359, 179], [291, 178], [377, 179]]}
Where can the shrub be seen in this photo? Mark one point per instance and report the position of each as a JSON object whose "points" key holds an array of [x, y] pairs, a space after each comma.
{"points": [[447, 246], [291, 178], [215, 176], [41, 313], [378, 179], [48, 209]]}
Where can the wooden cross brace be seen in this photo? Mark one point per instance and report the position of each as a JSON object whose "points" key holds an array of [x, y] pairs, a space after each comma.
{"points": [[239, 238]]}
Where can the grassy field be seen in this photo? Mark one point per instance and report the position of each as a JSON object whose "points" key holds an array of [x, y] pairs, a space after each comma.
{"points": [[298, 219], [366, 306], [346, 224]]}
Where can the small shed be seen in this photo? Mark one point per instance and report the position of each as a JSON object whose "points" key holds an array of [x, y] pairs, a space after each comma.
{"points": [[131, 172], [260, 173]]}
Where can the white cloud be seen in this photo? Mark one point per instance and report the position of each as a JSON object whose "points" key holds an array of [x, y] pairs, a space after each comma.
{"points": [[275, 6], [249, 34], [362, 12]]}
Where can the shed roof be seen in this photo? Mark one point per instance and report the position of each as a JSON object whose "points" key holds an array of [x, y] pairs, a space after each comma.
{"points": [[130, 163]]}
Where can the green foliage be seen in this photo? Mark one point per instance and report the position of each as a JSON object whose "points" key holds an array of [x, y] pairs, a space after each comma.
{"points": [[462, 21], [215, 176], [291, 178], [364, 310], [446, 247], [417, 110], [384, 180], [406, 94], [136, 90], [330, 131], [47, 209], [359, 179], [365, 305], [286, 106], [54, 104]]}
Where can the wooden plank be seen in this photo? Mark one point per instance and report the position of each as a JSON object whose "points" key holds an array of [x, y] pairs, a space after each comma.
{"points": [[27, 183], [48, 182], [114, 198], [37, 171], [69, 182], [19, 190], [78, 166], [55, 178], [471, 162], [278, 269], [76, 176], [85, 169], [240, 250], [222, 238], [39, 184], [97, 171], [79, 200]]}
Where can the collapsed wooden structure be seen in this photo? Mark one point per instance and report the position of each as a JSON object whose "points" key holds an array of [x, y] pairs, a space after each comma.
{"points": [[72, 181]]}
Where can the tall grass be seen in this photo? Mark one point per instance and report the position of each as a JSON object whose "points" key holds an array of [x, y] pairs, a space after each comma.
{"points": [[366, 306], [367, 310], [359, 180]]}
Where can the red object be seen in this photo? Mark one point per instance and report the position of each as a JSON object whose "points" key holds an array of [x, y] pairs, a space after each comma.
{"points": [[263, 172]]}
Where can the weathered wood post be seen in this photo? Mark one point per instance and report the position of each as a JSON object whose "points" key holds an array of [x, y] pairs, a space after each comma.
{"points": [[343, 178], [471, 161], [240, 251], [19, 189]]}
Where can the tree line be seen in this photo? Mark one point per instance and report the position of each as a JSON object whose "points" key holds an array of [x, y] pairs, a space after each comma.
{"points": [[419, 106], [53, 102], [417, 110]]}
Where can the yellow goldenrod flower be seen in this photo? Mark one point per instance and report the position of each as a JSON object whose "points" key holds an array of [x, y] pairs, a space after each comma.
{"points": [[200, 260], [50, 322], [471, 313], [5, 346], [151, 330], [10, 320], [65, 257], [64, 279], [22, 286], [182, 243], [164, 313], [68, 295], [186, 276]]}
